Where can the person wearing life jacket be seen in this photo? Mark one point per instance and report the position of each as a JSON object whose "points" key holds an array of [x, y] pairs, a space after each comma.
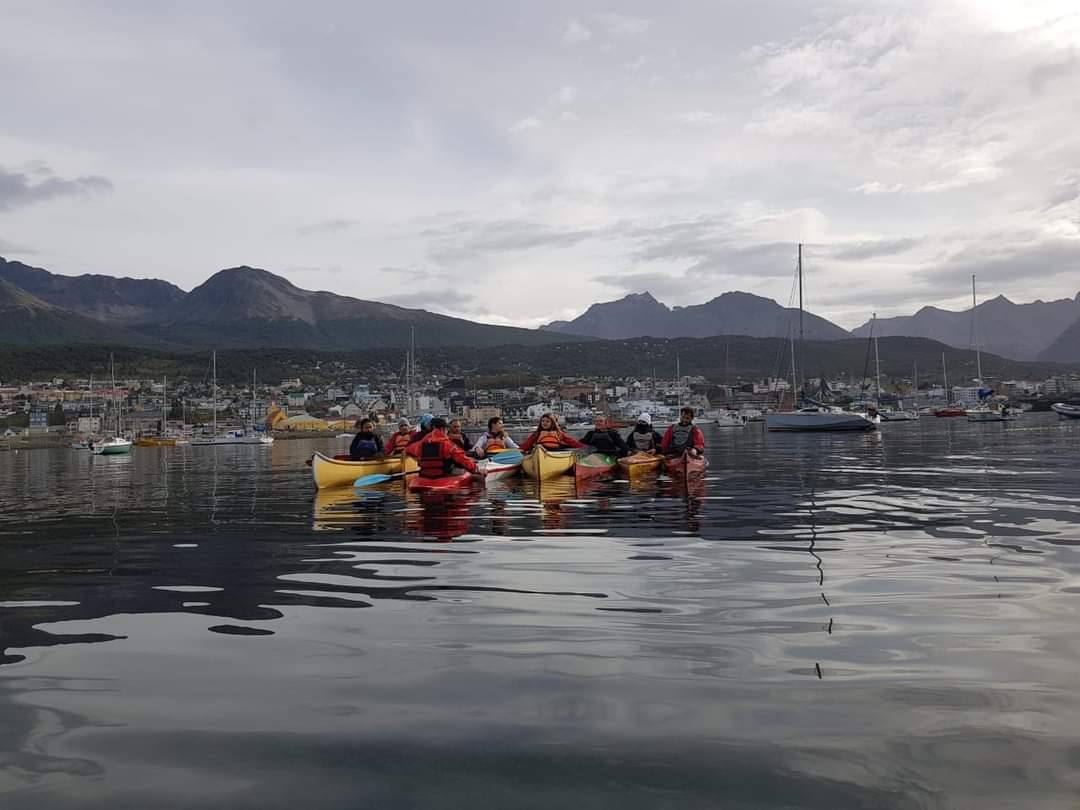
{"points": [[425, 427], [683, 437], [494, 440], [399, 440], [604, 439], [366, 444], [457, 435], [643, 439], [550, 436], [438, 456]]}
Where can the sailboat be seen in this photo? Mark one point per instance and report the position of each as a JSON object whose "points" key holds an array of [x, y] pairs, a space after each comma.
{"points": [[983, 412], [160, 440], [116, 444], [233, 436], [812, 417], [953, 408], [888, 414]]}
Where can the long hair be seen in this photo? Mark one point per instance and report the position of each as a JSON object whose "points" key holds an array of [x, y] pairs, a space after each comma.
{"points": [[554, 420]]}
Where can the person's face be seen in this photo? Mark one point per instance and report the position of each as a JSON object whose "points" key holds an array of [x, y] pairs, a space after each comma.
{"points": [[366, 426], [599, 423], [404, 429], [547, 423], [455, 426], [496, 426], [685, 418]]}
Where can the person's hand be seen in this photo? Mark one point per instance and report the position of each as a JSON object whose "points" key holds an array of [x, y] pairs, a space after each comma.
{"points": [[481, 467], [480, 452]]}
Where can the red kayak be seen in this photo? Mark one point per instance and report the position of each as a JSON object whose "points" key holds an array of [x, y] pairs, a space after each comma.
{"points": [[447, 483], [686, 464], [593, 465]]}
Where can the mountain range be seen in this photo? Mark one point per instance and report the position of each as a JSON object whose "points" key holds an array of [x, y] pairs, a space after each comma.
{"points": [[242, 307], [1041, 330], [733, 313]]}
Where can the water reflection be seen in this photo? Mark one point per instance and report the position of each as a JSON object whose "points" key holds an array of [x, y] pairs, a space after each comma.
{"points": [[822, 621]]}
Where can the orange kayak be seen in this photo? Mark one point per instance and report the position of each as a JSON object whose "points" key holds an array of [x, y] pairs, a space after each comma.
{"points": [[640, 463]]}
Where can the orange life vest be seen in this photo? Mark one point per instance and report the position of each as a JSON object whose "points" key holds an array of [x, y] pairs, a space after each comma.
{"points": [[494, 444], [401, 441], [550, 439]]}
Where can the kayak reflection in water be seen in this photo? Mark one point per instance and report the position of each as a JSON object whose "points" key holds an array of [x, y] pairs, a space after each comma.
{"points": [[550, 436], [683, 437], [643, 439], [604, 439], [437, 454]]}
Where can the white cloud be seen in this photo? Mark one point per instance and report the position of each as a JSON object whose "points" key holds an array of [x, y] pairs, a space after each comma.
{"points": [[576, 33], [525, 124]]}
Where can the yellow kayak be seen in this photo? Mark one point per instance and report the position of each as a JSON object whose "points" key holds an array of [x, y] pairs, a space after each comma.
{"points": [[543, 464], [640, 463], [335, 472]]}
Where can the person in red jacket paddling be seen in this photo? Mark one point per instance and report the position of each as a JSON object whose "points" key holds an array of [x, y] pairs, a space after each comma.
{"points": [[683, 437], [550, 436], [437, 454]]}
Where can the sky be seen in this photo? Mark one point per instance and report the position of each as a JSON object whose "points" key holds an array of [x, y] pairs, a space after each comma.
{"points": [[514, 163]]}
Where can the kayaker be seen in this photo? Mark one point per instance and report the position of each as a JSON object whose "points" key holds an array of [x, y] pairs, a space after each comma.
{"points": [[425, 427], [643, 439], [549, 435], [457, 435], [437, 454], [494, 440], [366, 444], [604, 439], [400, 439], [683, 437]]}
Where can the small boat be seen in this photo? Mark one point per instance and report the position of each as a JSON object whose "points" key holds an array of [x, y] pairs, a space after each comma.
{"points": [[444, 484], [890, 415], [729, 419], [956, 409], [341, 472], [155, 441], [497, 472], [986, 414], [686, 465], [233, 437], [114, 446], [815, 419], [593, 465], [1065, 410], [640, 463], [541, 463]]}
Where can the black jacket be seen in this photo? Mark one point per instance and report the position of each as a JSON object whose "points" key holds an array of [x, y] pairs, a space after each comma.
{"points": [[607, 441]]}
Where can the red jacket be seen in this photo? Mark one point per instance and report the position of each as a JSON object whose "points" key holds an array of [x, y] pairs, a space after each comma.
{"points": [[565, 439], [697, 439], [436, 454], [394, 446]]}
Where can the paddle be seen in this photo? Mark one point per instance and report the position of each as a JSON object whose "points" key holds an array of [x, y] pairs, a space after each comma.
{"points": [[507, 457], [380, 478]]}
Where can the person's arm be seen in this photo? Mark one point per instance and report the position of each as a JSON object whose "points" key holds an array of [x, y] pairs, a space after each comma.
{"points": [[478, 448], [414, 448], [528, 442], [657, 440], [570, 441], [589, 438], [665, 443], [509, 443], [352, 447], [620, 443], [699, 439], [388, 448], [462, 460]]}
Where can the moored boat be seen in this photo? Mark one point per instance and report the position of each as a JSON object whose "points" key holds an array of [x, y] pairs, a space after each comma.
{"points": [[114, 446], [987, 414], [640, 463], [541, 463], [154, 441], [1065, 410], [341, 472], [816, 419], [955, 409], [594, 465]]}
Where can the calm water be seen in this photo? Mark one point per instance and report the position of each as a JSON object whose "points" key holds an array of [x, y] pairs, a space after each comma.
{"points": [[850, 621]]}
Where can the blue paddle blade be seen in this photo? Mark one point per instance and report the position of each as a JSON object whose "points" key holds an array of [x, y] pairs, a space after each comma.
{"points": [[369, 480], [507, 457]]}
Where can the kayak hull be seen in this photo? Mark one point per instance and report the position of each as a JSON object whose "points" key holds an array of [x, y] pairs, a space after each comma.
{"points": [[447, 483], [686, 465], [542, 464], [640, 464], [500, 472], [594, 465], [334, 472]]}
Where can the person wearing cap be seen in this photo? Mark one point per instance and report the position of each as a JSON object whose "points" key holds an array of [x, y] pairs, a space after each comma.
{"points": [[683, 437], [399, 440], [494, 440], [425, 427], [643, 439]]}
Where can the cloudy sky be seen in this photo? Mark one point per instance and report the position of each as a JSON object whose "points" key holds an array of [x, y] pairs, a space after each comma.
{"points": [[513, 163]]}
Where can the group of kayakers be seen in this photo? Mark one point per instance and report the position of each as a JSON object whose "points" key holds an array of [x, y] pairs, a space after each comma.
{"points": [[440, 445]]}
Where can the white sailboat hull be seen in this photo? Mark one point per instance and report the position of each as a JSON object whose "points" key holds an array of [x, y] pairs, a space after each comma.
{"points": [[898, 416], [988, 415], [1066, 411], [241, 438], [812, 420]]}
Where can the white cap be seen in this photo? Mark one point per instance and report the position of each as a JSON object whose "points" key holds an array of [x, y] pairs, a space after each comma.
{"points": [[646, 418]]}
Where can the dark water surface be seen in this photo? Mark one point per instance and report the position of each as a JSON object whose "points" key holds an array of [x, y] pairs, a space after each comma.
{"points": [[888, 620]]}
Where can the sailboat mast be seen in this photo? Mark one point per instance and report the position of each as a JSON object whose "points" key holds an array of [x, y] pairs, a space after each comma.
{"points": [[164, 400], [877, 367], [253, 400], [91, 403], [678, 380], [915, 383], [801, 333], [213, 403], [794, 375], [975, 324], [945, 375]]}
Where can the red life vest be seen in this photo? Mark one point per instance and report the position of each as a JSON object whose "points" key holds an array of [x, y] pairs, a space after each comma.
{"points": [[436, 458], [550, 439], [401, 441]]}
